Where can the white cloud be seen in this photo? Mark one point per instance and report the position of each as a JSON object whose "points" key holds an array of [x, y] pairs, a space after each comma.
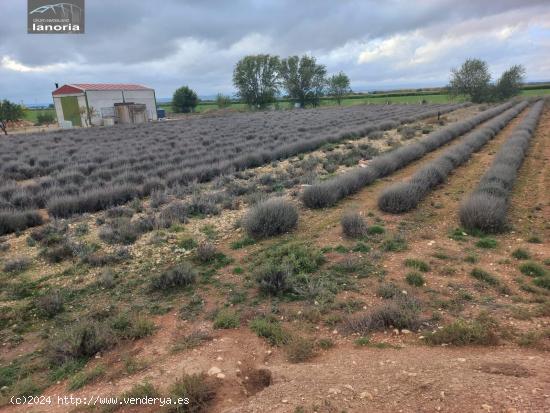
{"points": [[13, 65]]}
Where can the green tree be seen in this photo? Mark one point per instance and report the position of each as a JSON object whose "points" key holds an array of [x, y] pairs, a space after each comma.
{"points": [[223, 101], [472, 79], [510, 83], [303, 79], [256, 79], [338, 86], [184, 100], [10, 112]]}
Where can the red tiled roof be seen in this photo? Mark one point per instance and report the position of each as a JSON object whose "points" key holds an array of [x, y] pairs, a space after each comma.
{"points": [[81, 87]]}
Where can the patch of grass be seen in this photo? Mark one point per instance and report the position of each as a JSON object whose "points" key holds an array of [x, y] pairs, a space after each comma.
{"points": [[375, 230], [210, 231], [226, 320], [325, 343], [142, 390], [534, 339], [237, 270], [471, 258], [300, 349], [132, 327], [417, 264], [361, 247], [17, 265], [542, 282], [532, 269], [83, 378], [415, 278], [484, 276], [191, 309], [402, 312], [487, 243], [181, 275], [271, 330], [199, 389], [341, 249], [394, 244], [195, 339], [187, 243], [388, 290], [534, 240], [458, 234], [481, 331], [243, 242], [362, 341], [521, 254]]}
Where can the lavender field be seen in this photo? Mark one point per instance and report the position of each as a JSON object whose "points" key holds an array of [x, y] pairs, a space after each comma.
{"points": [[77, 171]]}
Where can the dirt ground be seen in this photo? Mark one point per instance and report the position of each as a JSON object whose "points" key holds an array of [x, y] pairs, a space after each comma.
{"points": [[406, 377]]}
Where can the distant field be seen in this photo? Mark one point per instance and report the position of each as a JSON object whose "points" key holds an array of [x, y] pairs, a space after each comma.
{"points": [[373, 99], [31, 114]]}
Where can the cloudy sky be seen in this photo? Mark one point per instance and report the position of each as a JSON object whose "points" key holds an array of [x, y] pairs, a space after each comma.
{"points": [[168, 43]]}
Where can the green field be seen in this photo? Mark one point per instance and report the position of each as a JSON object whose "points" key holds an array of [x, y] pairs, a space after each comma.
{"points": [[31, 114]]}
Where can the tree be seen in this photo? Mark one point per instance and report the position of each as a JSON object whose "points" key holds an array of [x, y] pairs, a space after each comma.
{"points": [[184, 100], [510, 83], [303, 79], [10, 112], [222, 100], [256, 78], [472, 79], [338, 86]]}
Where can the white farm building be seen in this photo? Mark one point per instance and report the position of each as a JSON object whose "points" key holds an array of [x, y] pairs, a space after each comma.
{"points": [[87, 104]]}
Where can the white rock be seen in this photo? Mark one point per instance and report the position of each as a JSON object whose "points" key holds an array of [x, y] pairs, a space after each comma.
{"points": [[214, 370], [220, 376]]}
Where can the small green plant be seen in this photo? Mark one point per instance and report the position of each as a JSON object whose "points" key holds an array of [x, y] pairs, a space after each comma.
{"points": [[388, 290], [361, 247], [532, 269], [187, 243], [181, 275], [227, 319], [415, 278], [243, 242], [271, 330], [141, 390], [195, 339], [521, 254], [325, 343], [362, 341], [534, 240], [238, 270], [484, 276], [471, 258], [416, 264], [375, 230], [394, 244], [486, 243], [199, 389], [300, 349], [481, 331], [458, 234], [83, 378], [542, 282]]}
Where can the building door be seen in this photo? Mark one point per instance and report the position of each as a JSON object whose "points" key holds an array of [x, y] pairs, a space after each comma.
{"points": [[71, 111]]}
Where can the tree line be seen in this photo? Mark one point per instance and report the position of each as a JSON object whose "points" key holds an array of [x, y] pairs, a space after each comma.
{"points": [[260, 79], [474, 80]]}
